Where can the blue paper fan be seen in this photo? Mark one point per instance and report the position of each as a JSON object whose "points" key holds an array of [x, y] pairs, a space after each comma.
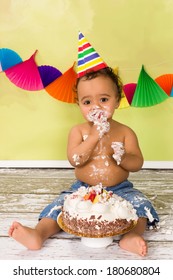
{"points": [[8, 58], [171, 93]]}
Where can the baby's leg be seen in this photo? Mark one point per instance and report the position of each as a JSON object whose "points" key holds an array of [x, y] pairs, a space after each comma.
{"points": [[33, 239], [133, 241]]}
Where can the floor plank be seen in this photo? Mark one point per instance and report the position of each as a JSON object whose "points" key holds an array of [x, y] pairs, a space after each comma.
{"points": [[67, 249]]}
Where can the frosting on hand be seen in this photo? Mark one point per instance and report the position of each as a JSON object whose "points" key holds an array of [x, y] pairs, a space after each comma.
{"points": [[99, 118]]}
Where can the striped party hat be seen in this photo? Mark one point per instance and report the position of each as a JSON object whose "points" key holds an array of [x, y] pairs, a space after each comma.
{"points": [[88, 58]]}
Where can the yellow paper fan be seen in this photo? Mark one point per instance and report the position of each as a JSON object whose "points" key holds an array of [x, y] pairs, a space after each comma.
{"points": [[123, 103], [115, 70]]}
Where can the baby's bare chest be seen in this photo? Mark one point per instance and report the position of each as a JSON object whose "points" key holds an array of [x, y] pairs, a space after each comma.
{"points": [[104, 146]]}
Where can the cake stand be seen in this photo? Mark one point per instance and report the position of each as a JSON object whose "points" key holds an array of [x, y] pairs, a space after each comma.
{"points": [[94, 241], [99, 242]]}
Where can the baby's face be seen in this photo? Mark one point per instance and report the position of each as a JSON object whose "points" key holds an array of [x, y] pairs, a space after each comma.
{"points": [[99, 92]]}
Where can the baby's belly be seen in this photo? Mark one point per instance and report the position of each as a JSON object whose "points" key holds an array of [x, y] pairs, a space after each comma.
{"points": [[104, 171]]}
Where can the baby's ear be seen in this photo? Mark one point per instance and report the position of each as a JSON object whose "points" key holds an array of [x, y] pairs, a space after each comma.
{"points": [[76, 99], [117, 105]]}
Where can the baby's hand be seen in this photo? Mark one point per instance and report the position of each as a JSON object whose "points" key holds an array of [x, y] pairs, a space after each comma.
{"points": [[96, 115]]}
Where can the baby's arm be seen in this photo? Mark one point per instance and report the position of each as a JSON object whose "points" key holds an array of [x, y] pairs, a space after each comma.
{"points": [[131, 158], [79, 151]]}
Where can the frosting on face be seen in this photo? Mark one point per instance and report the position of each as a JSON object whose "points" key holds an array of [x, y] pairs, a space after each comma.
{"points": [[99, 118], [98, 203]]}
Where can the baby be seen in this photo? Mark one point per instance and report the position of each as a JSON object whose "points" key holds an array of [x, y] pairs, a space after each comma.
{"points": [[102, 151]]}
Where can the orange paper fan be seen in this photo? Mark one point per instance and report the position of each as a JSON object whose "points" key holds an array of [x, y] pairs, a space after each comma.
{"points": [[165, 82], [62, 87]]}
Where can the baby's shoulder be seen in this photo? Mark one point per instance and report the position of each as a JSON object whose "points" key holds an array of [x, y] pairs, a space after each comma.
{"points": [[79, 127], [122, 127]]}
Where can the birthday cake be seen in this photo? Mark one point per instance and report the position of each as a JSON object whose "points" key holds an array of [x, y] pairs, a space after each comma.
{"points": [[95, 212]]}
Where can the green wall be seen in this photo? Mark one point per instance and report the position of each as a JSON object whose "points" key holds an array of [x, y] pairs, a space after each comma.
{"points": [[126, 33]]}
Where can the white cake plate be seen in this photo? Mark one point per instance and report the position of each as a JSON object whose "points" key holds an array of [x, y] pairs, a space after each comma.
{"points": [[96, 242]]}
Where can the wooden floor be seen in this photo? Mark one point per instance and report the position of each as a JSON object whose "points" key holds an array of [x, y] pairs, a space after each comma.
{"points": [[24, 193]]}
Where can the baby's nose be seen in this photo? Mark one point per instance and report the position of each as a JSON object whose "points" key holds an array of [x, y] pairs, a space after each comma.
{"points": [[95, 106]]}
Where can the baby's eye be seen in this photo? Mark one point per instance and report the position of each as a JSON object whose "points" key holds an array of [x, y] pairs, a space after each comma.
{"points": [[87, 102], [104, 99]]}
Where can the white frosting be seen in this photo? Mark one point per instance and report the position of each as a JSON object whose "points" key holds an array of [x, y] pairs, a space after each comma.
{"points": [[108, 207], [76, 159], [119, 151], [99, 118], [85, 137]]}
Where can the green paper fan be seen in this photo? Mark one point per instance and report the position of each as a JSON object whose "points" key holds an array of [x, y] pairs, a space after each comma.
{"points": [[148, 92]]}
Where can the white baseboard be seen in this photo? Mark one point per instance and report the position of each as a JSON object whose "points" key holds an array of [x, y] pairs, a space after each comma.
{"points": [[35, 164], [66, 164], [158, 165]]}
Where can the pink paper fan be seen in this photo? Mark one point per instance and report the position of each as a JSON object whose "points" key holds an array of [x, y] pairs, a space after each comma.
{"points": [[25, 75], [129, 90]]}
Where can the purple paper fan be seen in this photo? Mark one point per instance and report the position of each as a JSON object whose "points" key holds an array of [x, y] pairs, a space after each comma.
{"points": [[48, 74]]}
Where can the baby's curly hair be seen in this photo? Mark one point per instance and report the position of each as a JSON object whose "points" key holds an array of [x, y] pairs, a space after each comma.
{"points": [[107, 72]]}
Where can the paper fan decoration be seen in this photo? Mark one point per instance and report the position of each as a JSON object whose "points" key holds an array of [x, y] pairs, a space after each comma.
{"points": [[25, 75], [0, 68], [88, 58], [8, 58], [115, 70], [129, 90], [171, 93], [48, 74], [148, 92], [124, 102], [62, 88], [165, 82]]}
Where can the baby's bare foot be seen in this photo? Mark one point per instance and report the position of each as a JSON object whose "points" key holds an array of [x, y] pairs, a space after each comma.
{"points": [[134, 243], [28, 237]]}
